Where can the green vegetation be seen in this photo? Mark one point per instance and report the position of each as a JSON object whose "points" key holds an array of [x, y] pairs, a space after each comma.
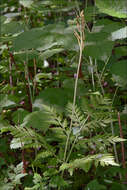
{"points": [[63, 95]]}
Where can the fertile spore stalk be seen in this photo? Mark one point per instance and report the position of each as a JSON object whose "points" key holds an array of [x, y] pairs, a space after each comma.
{"points": [[80, 35]]}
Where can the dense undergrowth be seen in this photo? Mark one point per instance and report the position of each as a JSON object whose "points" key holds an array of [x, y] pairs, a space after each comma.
{"points": [[63, 95]]}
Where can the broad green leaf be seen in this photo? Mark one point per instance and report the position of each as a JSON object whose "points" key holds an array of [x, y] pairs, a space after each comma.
{"points": [[54, 6], [94, 185], [42, 76], [54, 97], [57, 181], [119, 34], [69, 84], [119, 72], [12, 28], [26, 55], [90, 13], [11, 15], [33, 38], [121, 51], [116, 8], [6, 101], [2, 20], [106, 26], [26, 3], [118, 186], [86, 166], [98, 46], [45, 38], [49, 53]]}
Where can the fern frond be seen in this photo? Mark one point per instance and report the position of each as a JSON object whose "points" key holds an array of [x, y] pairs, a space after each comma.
{"points": [[105, 160], [78, 118], [85, 163], [43, 155], [55, 118]]}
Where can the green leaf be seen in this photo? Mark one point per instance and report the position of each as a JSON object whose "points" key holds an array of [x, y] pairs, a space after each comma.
{"points": [[116, 8], [121, 51], [98, 46], [94, 185], [26, 3], [119, 72], [49, 53], [42, 76], [6, 101], [107, 26], [45, 38], [87, 165], [12, 28], [33, 38], [119, 34], [57, 181], [23, 55], [118, 186], [55, 97]]}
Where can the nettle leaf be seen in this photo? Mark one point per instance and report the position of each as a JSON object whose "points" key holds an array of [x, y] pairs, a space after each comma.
{"points": [[26, 3], [121, 51], [57, 181], [112, 7], [2, 20], [54, 6], [94, 185], [54, 97], [90, 13], [46, 37], [12, 15], [98, 46], [33, 38], [119, 72], [12, 28], [6, 101], [107, 26], [24, 55], [42, 76], [119, 34], [49, 53]]}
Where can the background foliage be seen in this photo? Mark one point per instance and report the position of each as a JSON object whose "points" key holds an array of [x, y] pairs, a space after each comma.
{"points": [[47, 141]]}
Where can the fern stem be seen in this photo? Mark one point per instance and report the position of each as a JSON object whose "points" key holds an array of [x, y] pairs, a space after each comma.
{"points": [[74, 101], [92, 72], [81, 46], [101, 75], [76, 139]]}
